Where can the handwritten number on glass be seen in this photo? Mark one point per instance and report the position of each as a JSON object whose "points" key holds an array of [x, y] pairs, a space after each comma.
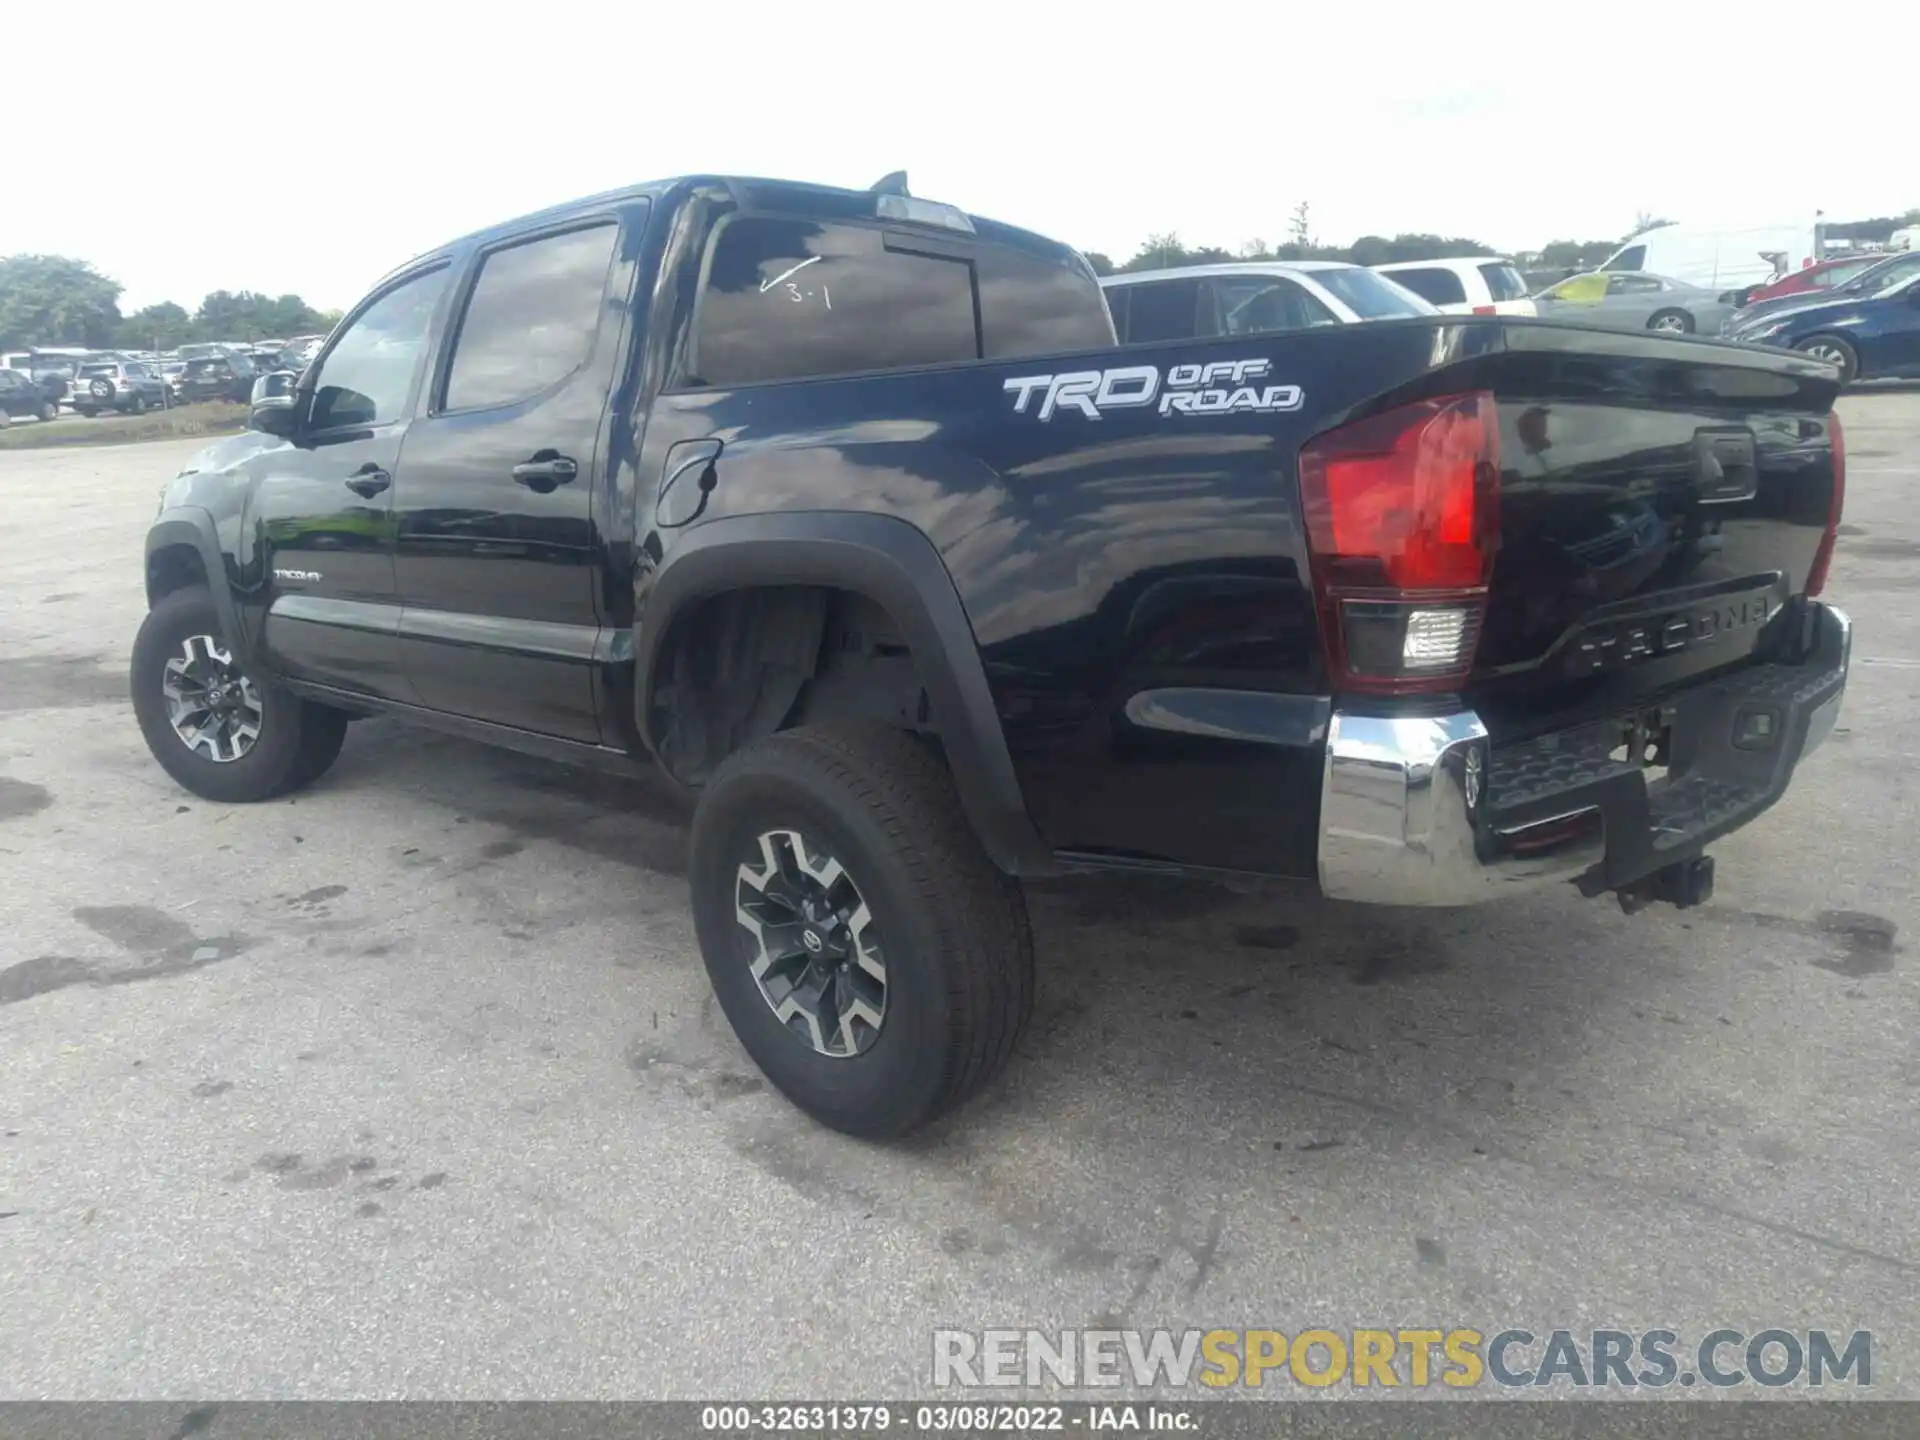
{"points": [[795, 292]]}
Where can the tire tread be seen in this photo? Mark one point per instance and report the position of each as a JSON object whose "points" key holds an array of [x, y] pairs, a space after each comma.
{"points": [[978, 914]]}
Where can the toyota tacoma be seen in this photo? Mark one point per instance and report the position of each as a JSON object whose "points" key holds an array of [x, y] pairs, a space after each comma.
{"points": [[844, 509]]}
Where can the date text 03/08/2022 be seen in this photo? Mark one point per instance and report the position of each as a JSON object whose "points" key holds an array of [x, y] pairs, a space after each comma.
{"points": [[963, 1418]]}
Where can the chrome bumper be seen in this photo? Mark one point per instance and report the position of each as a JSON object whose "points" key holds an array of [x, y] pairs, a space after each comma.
{"points": [[1403, 799]]}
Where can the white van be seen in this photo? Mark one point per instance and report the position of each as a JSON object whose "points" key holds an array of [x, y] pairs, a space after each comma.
{"points": [[1720, 260], [1473, 285], [1907, 239]]}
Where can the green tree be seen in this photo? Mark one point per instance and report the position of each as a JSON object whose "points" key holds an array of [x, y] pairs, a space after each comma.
{"points": [[161, 326], [54, 300], [1100, 263], [245, 315]]}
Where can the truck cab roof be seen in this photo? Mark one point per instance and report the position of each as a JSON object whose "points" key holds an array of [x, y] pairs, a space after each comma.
{"points": [[747, 193]]}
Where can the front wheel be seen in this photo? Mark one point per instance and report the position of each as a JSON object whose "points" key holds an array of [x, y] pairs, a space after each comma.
{"points": [[48, 410], [1671, 322], [86, 412], [1833, 350], [870, 957], [218, 731]]}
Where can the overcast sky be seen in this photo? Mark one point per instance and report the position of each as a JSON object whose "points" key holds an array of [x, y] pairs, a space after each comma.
{"points": [[311, 147]]}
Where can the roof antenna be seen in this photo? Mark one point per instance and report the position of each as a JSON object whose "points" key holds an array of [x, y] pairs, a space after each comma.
{"points": [[894, 184]]}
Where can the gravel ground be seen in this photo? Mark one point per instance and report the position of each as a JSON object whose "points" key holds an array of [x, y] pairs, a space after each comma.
{"points": [[410, 1086]]}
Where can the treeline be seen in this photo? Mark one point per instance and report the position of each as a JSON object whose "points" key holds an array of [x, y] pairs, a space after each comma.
{"points": [[1164, 251], [54, 300]]}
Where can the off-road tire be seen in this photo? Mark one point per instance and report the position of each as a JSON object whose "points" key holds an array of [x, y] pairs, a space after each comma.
{"points": [[298, 739], [958, 950]]}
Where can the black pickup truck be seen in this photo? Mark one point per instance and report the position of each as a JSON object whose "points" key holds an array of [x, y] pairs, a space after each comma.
{"points": [[844, 509]]}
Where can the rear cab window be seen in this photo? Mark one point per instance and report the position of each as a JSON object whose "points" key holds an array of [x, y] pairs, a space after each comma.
{"points": [[786, 298]]}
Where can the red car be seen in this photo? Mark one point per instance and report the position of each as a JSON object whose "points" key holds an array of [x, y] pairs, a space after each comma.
{"points": [[1823, 276]]}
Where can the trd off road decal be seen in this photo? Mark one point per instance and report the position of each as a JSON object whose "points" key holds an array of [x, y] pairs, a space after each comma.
{"points": [[1219, 387]]}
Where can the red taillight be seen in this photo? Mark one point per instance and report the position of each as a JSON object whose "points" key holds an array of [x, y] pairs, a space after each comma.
{"points": [[1485, 310], [1403, 518], [1823, 557]]}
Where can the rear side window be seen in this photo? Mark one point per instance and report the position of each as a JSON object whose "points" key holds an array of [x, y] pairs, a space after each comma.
{"points": [[1503, 282], [1839, 274], [1371, 296], [1438, 287], [531, 318], [1030, 305], [786, 299], [1162, 310], [1251, 304]]}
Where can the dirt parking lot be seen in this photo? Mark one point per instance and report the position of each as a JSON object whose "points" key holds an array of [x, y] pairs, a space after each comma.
{"points": [[410, 1086]]}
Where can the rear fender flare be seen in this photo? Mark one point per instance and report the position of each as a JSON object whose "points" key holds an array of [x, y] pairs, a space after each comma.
{"points": [[893, 564]]}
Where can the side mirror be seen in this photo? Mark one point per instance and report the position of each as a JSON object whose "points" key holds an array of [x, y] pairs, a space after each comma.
{"points": [[275, 405]]}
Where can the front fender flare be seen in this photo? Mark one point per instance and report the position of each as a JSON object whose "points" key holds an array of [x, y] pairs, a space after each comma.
{"points": [[191, 526], [895, 565]]}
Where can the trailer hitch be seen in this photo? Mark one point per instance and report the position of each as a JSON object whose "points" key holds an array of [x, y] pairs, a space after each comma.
{"points": [[1683, 885]]}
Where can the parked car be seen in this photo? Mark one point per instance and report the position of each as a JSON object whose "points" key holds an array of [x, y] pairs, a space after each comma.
{"points": [[227, 376], [22, 396], [1822, 275], [52, 368], [1470, 285], [1724, 261], [124, 385], [1884, 271], [1250, 297], [1873, 336], [171, 372], [846, 511], [1634, 302]]}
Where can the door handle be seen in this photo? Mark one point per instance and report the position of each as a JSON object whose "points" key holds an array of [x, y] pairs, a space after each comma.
{"points": [[369, 480], [544, 470]]}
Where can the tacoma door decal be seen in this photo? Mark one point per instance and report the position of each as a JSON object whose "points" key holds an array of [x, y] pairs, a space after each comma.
{"points": [[1217, 387]]}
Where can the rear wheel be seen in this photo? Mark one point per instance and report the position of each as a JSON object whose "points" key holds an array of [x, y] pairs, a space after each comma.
{"points": [[137, 405], [1671, 322], [220, 732], [1833, 350], [870, 957]]}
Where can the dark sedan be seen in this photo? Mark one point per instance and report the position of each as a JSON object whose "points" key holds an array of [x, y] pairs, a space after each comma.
{"points": [[21, 396], [1867, 337], [1876, 277], [218, 377]]}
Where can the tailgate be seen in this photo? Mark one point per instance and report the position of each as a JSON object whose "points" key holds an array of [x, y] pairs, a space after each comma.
{"points": [[1660, 502]]}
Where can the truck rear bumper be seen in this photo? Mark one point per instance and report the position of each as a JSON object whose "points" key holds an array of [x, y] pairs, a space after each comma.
{"points": [[1426, 811]]}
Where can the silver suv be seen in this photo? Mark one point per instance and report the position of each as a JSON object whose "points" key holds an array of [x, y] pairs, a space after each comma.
{"points": [[129, 386]]}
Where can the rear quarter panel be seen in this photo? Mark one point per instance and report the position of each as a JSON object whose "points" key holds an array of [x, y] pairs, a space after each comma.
{"points": [[1109, 567]]}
